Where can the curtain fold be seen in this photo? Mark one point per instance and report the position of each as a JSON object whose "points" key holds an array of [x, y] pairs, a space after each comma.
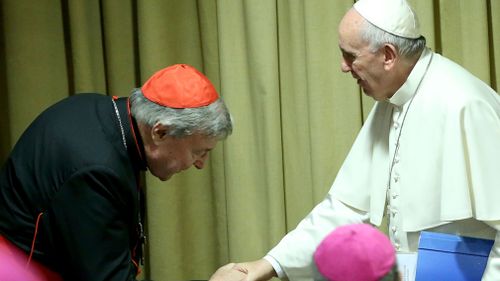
{"points": [[466, 22], [250, 82], [35, 69], [277, 66], [494, 42], [119, 46]]}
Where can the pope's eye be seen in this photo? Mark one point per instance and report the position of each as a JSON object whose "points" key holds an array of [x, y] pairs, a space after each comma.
{"points": [[348, 57]]}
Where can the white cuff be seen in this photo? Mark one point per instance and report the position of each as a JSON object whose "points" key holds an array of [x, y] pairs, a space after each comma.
{"points": [[277, 267]]}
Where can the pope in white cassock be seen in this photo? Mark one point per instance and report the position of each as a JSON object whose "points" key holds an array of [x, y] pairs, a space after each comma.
{"points": [[428, 154]]}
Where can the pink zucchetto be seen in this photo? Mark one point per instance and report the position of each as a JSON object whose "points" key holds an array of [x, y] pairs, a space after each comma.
{"points": [[356, 252], [179, 86], [13, 265]]}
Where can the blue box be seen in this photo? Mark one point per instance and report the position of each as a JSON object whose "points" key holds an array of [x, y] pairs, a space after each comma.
{"points": [[447, 257]]}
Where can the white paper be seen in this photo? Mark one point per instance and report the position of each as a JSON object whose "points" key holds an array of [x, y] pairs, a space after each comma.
{"points": [[407, 265]]}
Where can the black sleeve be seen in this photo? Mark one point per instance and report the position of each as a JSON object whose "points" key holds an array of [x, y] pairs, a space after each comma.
{"points": [[91, 219]]}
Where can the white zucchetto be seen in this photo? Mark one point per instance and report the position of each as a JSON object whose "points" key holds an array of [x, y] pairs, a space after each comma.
{"points": [[393, 16]]}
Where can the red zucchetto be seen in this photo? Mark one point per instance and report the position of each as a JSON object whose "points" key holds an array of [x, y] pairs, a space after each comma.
{"points": [[179, 86]]}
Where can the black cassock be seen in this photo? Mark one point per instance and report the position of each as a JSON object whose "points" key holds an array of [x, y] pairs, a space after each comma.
{"points": [[75, 171]]}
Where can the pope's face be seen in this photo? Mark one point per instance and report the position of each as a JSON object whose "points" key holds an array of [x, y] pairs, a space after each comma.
{"points": [[171, 155], [365, 66]]}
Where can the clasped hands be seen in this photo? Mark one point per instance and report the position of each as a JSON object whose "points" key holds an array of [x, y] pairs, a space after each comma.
{"points": [[259, 270]]}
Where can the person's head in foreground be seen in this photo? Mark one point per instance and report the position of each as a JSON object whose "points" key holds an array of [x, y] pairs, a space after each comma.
{"points": [[380, 41], [356, 252], [180, 118]]}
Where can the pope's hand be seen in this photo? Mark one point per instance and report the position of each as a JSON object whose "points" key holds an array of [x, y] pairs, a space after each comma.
{"points": [[258, 270]]}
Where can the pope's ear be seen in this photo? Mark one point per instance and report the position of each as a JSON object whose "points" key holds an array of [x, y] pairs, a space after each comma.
{"points": [[159, 132], [390, 56]]}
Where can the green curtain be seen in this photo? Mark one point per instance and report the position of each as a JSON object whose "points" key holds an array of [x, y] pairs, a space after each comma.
{"points": [[276, 64]]}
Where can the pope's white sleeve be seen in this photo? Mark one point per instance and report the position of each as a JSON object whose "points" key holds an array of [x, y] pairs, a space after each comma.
{"points": [[275, 264], [492, 271], [294, 253]]}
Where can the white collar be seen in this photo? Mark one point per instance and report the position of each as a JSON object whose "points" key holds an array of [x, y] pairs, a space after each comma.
{"points": [[409, 88]]}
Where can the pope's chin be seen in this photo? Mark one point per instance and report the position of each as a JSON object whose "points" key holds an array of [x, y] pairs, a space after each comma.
{"points": [[374, 96], [166, 178], [367, 92], [162, 177]]}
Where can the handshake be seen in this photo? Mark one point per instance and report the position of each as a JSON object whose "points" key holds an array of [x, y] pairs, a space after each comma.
{"points": [[258, 270], [350, 252]]}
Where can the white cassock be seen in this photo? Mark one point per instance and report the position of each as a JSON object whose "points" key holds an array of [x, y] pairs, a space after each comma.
{"points": [[433, 151]]}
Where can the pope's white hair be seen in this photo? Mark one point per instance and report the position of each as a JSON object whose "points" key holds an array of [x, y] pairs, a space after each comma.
{"points": [[212, 120], [376, 37]]}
